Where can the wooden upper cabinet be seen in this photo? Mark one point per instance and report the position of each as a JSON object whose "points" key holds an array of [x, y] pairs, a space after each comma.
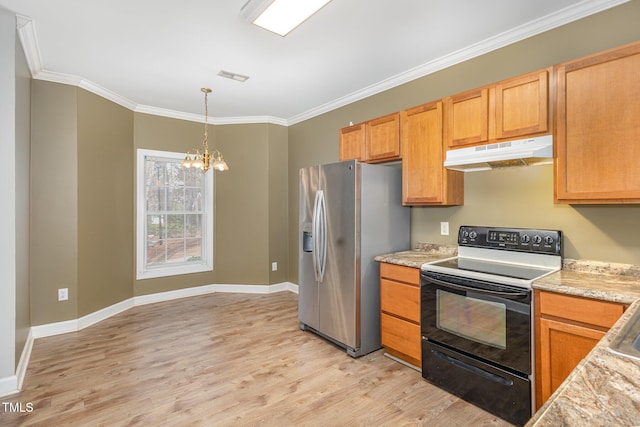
{"points": [[352, 143], [510, 109], [522, 105], [467, 118], [598, 128], [376, 140], [425, 181], [383, 138]]}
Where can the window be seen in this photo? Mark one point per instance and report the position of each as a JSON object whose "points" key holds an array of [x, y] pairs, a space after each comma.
{"points": [[174, 216]]}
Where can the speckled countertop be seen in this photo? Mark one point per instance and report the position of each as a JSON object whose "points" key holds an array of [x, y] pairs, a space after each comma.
{"points": [[604, 389], [424, 252]]}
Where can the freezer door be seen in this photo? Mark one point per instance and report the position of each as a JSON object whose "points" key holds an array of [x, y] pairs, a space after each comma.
{"points": [[307, 283], [338, 293]]}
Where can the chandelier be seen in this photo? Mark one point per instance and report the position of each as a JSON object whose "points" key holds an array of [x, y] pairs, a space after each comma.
{"points": [[205, 159]]}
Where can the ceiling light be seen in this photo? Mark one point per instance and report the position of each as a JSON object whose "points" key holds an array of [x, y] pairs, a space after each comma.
{"points": [[280, 16], [233, 76], [204, 160]]}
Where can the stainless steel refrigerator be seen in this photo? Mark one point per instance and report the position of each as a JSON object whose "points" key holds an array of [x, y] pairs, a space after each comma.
{"points": [[349, 213]]}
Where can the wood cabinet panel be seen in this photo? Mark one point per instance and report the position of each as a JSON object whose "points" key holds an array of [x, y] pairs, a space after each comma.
{"points": [[383, 138], [352, 145], [567, 328], [562, 347], [598, 128], [425, 181], [400, 300], [401, 335], [467, 118], [584, 310], [400, 273], [522, 105], [400, 312]]}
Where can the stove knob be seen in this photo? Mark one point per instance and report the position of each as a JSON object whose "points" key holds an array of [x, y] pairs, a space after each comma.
{"points": [[548, 240], [525, 238], [473, 234], [537, 239]]}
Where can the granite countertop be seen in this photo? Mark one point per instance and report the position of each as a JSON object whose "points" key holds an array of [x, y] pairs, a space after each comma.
{"points": [[424, 252], [604, 389]]}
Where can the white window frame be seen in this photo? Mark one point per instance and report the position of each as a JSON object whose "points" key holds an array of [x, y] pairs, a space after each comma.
{"points": [[206, 264]]}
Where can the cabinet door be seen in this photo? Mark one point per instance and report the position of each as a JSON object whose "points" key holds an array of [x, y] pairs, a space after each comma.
{"points": [[522, 105], [467, 118], [598, 128], [383, 138], [425, 181], [402, 338], [562, 347], [352, 143]]}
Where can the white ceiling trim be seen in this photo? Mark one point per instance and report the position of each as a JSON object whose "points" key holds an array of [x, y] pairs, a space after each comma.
{"points": [[28, 38], [538, 26]]}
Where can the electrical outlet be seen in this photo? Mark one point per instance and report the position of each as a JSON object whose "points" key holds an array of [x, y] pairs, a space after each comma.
{"points": [[63, 294], [274, 266], [444, 228]]}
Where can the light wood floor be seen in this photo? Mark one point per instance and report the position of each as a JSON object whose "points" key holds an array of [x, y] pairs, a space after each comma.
{"points": [[223, 360]]}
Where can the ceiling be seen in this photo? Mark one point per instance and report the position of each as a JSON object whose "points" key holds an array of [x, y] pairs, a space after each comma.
{"points": [[154, 55]]}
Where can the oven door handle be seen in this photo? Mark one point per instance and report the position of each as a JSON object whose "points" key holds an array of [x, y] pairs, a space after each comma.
{"points": [[506, 295]]}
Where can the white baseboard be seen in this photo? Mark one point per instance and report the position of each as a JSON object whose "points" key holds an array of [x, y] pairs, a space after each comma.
{"points": [[8, 386], [13, 384], [21, 370]]}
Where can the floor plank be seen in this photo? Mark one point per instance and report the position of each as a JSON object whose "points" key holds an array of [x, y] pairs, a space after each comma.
{"points": [[222, 360]]}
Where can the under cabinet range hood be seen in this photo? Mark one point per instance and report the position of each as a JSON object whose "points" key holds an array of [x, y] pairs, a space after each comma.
{"points": [[530, 151]]}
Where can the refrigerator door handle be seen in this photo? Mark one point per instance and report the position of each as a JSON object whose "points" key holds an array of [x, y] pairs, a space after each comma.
{"points": [[315, 227], [322, 255]]}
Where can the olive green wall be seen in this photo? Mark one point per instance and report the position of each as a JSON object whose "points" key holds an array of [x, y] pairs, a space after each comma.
{"points": [[278, 203], [82, 202], [23, 170], [246, 199], [105, 202], [595, 232], [54, 202], [250, 199]]}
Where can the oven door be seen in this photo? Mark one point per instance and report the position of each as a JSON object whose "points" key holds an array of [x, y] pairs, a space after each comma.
{"points": [[481, 319]]}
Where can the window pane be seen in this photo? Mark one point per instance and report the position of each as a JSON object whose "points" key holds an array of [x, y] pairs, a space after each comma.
{"points": [[175, 226], [193, 225], [155, 252], [194, 249], [154, 227], [175, 199], [175, 251], [193, 200], [193, 178]]}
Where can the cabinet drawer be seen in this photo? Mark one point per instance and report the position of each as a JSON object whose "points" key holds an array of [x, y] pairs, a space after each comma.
{"points": [[400, 299], [590, 311], [400, 335], [400, 273]]}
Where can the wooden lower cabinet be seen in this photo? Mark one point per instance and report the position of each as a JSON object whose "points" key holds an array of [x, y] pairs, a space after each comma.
{"points": [[400, 312], [567, 329]]}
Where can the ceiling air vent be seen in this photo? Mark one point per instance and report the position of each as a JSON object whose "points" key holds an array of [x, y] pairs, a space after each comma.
{"points": [[233, 76]]}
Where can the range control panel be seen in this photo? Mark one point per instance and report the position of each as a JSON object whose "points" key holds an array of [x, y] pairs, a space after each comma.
{"points": [[512, 239]]}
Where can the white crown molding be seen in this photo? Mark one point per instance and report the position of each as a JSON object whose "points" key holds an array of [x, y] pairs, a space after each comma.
{"points": [[538, 26], [156, 111], [28, 38]]}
